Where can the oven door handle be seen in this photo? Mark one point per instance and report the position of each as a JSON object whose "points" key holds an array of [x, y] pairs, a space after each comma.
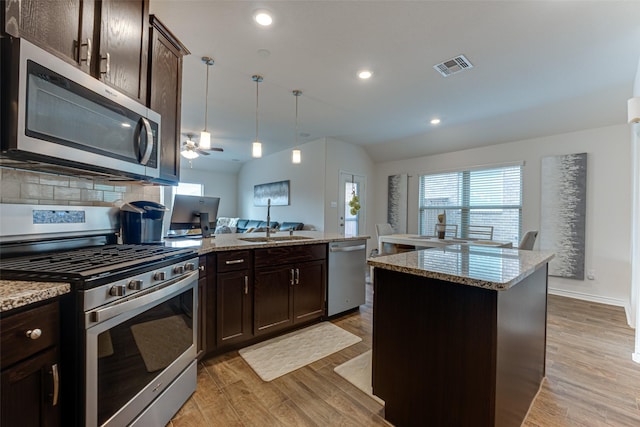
{"points": [[142, 298]]}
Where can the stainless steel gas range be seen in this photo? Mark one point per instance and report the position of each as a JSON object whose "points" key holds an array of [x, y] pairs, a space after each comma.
{"points": [[129, 326]]}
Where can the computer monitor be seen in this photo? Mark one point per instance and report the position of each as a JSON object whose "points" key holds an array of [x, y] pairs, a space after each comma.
{"points": [[192, 212]]}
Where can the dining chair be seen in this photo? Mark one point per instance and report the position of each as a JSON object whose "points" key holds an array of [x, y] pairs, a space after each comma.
{"points": [[480, 232], [528, 240], [450, 230]]}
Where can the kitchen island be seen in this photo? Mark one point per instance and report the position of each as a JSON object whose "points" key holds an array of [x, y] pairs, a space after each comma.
{"points": [[459, 335]]}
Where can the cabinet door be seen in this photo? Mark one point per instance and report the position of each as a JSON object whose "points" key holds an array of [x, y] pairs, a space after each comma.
{"points": [[63, 27], [211, 308], [124, 43], [28, 389], [165, 95], [309, 291], [273, 299], [233, 307]]}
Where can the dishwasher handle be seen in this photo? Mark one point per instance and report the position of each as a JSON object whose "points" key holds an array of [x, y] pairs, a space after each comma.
{"points": [[347, 248]]}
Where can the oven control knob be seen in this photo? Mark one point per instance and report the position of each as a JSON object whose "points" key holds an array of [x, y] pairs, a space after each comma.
{"points": [[117, 290], [135, 285], [159, 275], [190, 266], [178, 269]]}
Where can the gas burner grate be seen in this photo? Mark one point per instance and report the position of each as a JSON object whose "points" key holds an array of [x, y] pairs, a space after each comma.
{"points": [[84, 263]]}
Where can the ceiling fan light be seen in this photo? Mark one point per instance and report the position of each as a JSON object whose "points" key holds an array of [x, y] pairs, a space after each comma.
{"points": [[205, 140], [256, 149], [188, 154], [296, 157]]}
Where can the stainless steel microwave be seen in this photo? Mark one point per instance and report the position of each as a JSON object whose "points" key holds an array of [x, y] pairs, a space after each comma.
{"points": [[55, 114]]}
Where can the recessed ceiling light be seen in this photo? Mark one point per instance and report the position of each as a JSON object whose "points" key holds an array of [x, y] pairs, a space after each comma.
{"points": [[365, 74], [435, 121], [263, 18]]}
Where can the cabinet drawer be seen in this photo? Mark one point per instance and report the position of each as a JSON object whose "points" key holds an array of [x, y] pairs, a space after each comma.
{"points": [[289, 254], [233, 260], [16, 345]]}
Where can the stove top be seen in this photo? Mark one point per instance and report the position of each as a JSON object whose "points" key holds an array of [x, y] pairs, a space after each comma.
{"points": [[88, 264]]}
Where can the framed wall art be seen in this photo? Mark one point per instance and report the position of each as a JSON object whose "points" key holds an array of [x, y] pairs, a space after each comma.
{"points": [[278, 192]]}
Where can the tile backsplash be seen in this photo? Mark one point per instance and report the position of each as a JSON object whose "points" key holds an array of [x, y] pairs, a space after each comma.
{"points": [[26, 187]]}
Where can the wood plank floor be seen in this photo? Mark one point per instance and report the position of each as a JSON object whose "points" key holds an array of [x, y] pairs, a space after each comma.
{"points": [[591, 379]]}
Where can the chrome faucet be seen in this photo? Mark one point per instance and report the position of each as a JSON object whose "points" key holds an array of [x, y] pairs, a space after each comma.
{"points": [[268, 218]]}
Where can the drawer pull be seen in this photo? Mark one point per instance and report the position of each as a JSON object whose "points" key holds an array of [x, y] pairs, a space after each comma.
{"points": [[34, 334], [234, 261], [291, 277], [56, 383], [297, 276]]}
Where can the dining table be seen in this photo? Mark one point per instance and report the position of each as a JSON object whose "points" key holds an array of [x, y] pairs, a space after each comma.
{"points": [[423, 242]]}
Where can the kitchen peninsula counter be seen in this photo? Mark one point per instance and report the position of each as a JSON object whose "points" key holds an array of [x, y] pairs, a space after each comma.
{"points": [[459, 334], [235, 241]]}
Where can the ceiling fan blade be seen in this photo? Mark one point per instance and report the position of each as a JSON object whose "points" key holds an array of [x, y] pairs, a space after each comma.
{"points": [[201, 151], [216, 149]]}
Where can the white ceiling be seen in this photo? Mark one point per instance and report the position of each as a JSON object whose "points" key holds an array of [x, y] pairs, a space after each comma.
{"points": [[540, 68]]}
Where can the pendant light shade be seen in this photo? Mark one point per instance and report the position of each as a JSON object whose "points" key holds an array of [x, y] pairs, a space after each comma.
{"points": [[256, 147], [205, 136], [296, 154], [296, 157]]}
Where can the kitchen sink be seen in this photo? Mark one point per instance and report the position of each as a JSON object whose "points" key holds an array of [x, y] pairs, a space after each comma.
{"points": [[273, 238]]}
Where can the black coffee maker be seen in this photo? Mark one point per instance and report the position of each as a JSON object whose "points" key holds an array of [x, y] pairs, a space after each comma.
{"points": [[142, 222]]}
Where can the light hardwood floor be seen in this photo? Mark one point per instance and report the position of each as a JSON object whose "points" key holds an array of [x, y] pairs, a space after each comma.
{"points": [[591, 380]]}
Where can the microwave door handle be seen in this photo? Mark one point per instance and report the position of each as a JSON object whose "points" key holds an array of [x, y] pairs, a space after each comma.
{"points": [[149, 148]]}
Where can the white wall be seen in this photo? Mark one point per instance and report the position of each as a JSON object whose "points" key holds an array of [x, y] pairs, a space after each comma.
{"points": [[216, 184], [306, 191], [351, 159], [608, 200]]}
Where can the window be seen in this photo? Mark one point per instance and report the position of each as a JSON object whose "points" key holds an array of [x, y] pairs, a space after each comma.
{"points": [[474, 197], [189, 189]]}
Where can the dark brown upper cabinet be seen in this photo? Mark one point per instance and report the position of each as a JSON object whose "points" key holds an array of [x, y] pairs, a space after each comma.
{"points": [[107, 38]]}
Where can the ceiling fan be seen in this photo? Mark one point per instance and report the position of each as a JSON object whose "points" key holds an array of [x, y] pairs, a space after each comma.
{"points": [[192, 146]]}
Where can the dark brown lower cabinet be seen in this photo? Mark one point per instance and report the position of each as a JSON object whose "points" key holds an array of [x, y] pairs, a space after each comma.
{"points": [[234, 307], [28, 392], [30, 384], [202, 308], [288, 295]]}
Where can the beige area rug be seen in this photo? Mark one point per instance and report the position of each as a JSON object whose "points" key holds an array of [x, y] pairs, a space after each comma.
{"points": [[161, 341], [278, 356], [358, 372]]}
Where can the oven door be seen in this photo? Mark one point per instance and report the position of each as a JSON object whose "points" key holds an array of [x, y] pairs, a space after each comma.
{"points": [[138, 346]]}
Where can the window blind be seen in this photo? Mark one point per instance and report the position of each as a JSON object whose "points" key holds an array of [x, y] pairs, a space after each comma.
{"points": [[486, 197]]}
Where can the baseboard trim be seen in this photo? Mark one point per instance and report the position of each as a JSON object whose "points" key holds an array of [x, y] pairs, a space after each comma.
{"points": [[596, 298]]}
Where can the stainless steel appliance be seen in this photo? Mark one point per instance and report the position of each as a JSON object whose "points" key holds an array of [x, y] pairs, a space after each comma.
{"points": [[142, 222], [55, 114], [347, 274], [129, 324]]}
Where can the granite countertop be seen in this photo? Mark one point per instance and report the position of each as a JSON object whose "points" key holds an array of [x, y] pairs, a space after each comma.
{"points": [[14, 293], [486, 267], [234, 241]]}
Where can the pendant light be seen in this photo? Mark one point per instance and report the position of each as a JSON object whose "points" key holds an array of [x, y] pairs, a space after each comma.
{"points": [[256, 147], [205, 136], [296, 155]]}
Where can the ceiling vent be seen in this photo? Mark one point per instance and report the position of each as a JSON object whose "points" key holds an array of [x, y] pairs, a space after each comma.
{"points": [[453, 66]]}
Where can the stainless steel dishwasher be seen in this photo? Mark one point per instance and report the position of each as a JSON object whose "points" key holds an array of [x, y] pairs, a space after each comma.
{"points": [[347, 275]]}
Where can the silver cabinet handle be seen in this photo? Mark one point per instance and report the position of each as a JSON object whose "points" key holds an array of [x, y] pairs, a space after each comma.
{"points": [[246, 285], [297, 276], [56, 383], [291, 277], [34, 334], [107, 67], [86, 59], [144, 159], [234, 261]]}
